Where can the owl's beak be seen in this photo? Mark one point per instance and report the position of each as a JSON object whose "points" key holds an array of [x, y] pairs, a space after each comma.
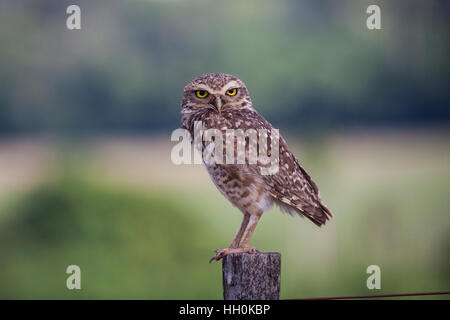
{"points": [[218, 103]]}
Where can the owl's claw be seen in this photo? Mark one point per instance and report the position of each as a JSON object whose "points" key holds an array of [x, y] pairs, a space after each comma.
{"points": [[220, 253], [254, 250]]}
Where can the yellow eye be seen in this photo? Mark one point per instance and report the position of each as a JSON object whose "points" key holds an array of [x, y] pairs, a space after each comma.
{"points": [[201, 94], [231, 92]]}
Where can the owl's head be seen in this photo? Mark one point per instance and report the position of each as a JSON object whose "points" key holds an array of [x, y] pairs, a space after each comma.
{"points": [[216, 91]]}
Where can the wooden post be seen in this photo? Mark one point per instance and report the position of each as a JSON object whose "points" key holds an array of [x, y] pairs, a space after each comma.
{"points": [[252, 276]]}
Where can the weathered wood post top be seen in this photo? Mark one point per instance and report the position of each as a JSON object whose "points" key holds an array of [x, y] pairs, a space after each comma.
{"points": [[253, 276]]}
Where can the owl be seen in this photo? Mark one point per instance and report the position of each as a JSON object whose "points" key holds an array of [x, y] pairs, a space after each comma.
{"points": [[222, 102]]}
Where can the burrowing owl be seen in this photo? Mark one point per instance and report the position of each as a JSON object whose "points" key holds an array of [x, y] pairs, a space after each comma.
{"points": [[221, 101]]}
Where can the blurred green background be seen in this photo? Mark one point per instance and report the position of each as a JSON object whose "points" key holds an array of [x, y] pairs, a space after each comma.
{"points": [[85, 123]]}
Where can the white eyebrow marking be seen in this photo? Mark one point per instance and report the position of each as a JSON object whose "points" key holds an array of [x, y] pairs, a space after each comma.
{"points": [[202, 87], [229, 85]]}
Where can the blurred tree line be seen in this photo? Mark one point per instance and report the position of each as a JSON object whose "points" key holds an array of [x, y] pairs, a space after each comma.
{"points": [[309, 64]]}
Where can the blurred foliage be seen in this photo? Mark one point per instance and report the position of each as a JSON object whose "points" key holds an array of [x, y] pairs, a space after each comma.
{"points": [[309, 65], [127, 244]]}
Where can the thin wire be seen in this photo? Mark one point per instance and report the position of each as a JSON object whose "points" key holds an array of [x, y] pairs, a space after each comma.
{"points": [[380, 296]]}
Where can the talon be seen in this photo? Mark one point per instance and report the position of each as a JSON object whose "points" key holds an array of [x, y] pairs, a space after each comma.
{"points": [[253, 250], [220, 253]]}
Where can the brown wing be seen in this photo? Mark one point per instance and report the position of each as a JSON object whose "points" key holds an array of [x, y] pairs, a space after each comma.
{"points": [[293, 189]]}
